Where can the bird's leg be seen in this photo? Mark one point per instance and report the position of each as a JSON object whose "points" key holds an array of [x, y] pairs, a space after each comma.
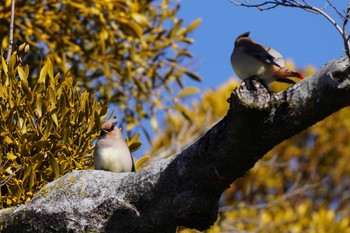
{"points": [[250, 83]]}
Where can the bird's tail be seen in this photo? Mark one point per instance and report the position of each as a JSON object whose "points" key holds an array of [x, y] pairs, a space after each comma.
{"points": [[280, 73], [297, 75]]}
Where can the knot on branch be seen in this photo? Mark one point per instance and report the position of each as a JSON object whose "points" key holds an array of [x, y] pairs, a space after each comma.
{"points": [[251, 94], [342, 74]]}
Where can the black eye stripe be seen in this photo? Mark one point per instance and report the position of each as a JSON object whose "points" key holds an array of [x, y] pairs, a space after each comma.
{"points": [[108, 130]]}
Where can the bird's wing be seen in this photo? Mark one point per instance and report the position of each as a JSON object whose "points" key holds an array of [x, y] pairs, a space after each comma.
{"points": [[266, 54], [278, 59]]}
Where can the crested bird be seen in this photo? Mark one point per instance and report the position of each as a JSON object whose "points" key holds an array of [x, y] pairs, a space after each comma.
{"points": [[111, 152], [252, 60]]}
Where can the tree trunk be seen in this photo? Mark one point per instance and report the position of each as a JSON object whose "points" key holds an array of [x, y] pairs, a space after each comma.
{"points": [[184, 189]]}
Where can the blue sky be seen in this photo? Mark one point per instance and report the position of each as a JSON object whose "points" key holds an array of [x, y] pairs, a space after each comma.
{"points": [[305, 38]]}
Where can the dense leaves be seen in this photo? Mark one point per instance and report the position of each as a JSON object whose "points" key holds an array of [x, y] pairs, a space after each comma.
{"points": [[46, 129], [128, 52]]}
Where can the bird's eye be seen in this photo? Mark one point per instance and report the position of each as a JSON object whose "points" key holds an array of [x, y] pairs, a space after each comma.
{"points": [[111, 129]]}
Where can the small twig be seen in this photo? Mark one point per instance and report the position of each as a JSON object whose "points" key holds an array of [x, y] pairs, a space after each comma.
{"points": [[336, 10], [12, 19], [303, 4], [345, 36], [10, 176]]}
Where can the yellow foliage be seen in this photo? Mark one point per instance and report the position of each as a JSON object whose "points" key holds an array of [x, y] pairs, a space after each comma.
{"points": [[186, 123], [46, 128], [281, 217], [128, 52]]}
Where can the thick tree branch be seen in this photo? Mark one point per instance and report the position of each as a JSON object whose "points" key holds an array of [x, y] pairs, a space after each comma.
{"points": [[184, 189]]}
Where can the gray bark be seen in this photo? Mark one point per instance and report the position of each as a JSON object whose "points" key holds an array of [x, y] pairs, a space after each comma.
{"points": [[184, 189]]}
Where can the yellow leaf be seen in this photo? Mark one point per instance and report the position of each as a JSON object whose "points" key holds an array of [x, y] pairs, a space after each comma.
{"points": [[23, 77], [4, 65], [157, 102], [193, 76], [141, 19], [54, 118], [11, 156], [141, 161], [135, 138], [131, 28], [188, 91], [43, 73], [54, 165], [154, 123], [39, 105], [134, 146], [193, 25], [50, 69], [21, 47], [12, 62], [131, 125], [9, 171], [51, 94], [8, 140]]}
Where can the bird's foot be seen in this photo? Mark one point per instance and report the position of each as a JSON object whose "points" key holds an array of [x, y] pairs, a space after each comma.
{"points": [[253, 82]]}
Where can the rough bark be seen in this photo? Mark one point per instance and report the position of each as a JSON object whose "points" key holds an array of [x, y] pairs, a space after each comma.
{"points": [[184, 189]]}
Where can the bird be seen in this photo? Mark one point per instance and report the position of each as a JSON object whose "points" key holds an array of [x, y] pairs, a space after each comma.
{"points": [[111, 153], [251, 60]]}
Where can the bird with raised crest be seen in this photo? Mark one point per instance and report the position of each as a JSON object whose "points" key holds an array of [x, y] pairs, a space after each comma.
{"points": [[111, 152], [251, 60]]}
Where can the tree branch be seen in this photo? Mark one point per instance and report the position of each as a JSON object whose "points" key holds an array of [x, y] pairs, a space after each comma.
{"points": [[304, 5], [12, 19], [184, 189]]}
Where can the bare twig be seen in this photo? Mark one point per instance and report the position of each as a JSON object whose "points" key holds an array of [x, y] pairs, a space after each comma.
{"points": [[336, 10], [9, 52], [10, 176], [345, 35], [294, 4], [303, 4]]}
